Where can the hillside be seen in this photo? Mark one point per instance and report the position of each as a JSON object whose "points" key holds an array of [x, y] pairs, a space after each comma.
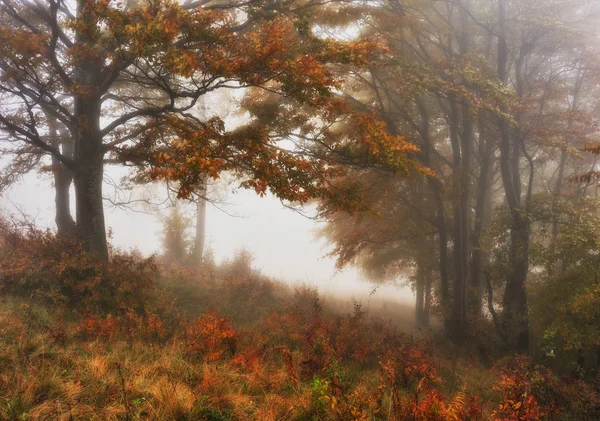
{"points": [[225, 343]]}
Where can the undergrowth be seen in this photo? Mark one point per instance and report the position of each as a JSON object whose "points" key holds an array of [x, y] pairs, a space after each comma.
{"points": [[135, 340]]}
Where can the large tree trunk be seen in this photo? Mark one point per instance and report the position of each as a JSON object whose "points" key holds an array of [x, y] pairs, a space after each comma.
{"points": [[200, 224], [462, 219], [442, 244], [461, 143], [62, 184], [88, 150], [88, 177], [483, 217], [436, 187], [561, 173], [515, 317], [90, 207], [420, 315]]}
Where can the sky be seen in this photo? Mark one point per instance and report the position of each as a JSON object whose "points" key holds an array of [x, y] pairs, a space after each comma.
{"points": [[283, 242]]}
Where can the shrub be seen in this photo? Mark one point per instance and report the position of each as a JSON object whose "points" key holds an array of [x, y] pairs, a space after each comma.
{"points": [[36, 263], [528, 391], [211, 336]]}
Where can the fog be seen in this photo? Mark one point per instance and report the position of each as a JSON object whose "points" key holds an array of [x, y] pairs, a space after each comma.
{"points": [[283, 242], [300, 210]]}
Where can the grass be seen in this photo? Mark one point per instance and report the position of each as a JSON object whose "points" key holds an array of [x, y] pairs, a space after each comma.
{"points": [[236, 347]]}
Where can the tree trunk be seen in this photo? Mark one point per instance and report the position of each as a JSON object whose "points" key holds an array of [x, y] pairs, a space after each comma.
{"points": [[420, 298], [88, 176], [200, 225], [461, 144], [63, 178], [462, 169], [483, 204], [62, 183], [442, 246], [515, 296], [436, 187], [561, 172], [515, 317], [90, 207], [421, 287], [88, 150]]}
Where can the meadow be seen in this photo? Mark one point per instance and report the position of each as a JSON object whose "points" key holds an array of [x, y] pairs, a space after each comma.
{"points": [[137, 339]]}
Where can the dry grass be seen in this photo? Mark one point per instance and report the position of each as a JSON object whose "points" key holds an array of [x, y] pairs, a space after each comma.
{"points": [[71, 376], [290, 356]]}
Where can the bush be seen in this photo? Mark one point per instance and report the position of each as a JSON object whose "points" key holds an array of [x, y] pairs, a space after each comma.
{"points": [[211, 336], [532, 392], [38, 264]]}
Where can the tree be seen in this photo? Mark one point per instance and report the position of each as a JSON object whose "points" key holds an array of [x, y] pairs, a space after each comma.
{"points": [[175, 236], [538, 62], [63, 178], [124, 79], [491, 93], [200, 235], [393, 241]]}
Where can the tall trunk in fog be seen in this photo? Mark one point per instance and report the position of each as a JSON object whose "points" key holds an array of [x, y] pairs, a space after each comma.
{"points": [[563, 163], [461, 136], [88, 177], [421, 310], [63, 177], [515, 317], [423, 259], [483, 215], [460, 127], [88, 149], [199, 239], [461, 149], [436, 187], [425, 252]]}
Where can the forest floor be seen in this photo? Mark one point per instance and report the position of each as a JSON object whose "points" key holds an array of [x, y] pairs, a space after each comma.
{"points": [[237, 346]]}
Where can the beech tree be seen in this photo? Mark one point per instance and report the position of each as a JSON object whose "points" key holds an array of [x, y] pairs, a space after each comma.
{"points": [[175, 238], [394, 239], [124, 78], [499, 97]]}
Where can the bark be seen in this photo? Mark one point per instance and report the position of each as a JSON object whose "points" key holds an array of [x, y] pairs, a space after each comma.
{"points": [[88, 178], [63, 178], [420, 313], [515, 295], [199, 239], [558, 190], [421, 288], [515, 317], [442, 244], [461, 149], [561, 171], [483, 216], [88, 149], [90, 207], [436, 187]]}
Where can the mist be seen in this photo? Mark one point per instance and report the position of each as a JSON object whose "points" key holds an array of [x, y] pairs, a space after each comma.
{"points": [[283, 242], [300, 210]]}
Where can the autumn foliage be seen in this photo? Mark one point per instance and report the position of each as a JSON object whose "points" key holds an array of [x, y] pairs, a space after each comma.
{"points": [[37, 263], [290, 356]]}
